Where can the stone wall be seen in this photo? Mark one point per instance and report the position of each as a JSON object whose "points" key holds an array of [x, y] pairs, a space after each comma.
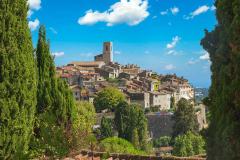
{"points": [[117, 156], [160, 124]]}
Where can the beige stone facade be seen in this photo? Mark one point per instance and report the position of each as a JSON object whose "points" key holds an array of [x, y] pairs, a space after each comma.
{"points": [[107, 55]]}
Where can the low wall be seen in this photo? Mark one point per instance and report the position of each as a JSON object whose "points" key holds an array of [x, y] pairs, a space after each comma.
{"points": [[134, 157]]}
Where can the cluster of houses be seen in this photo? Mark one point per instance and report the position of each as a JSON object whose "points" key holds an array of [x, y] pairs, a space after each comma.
{"points": [[143, 87]]}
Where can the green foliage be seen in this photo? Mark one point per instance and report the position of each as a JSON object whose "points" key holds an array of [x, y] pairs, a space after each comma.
{"points": [[152, 109], [172, 104], [83, 124], [55, 106], [106, 127], [118, 145], [223, 46], [49, 139], [129, 119], [185, 118], [108, 98], [162, 142], [135, 138], [17, 80], [188, 144]]}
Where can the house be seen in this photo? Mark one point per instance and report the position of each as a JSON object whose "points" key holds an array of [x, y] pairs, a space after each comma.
{"points": [[108, 72], [87, 66], [76, 92], [161, 100], [141, 98], [127, 76]]}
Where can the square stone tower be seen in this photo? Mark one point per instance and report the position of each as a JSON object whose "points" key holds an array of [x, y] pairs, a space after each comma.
{"points": [[107, 52]]}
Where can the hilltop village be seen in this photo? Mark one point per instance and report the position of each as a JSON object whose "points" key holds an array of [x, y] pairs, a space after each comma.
{"points": [[143, 87], [140, 86]]}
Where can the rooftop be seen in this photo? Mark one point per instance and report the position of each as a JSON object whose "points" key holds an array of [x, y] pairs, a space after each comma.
{"points": [[86, 63]]}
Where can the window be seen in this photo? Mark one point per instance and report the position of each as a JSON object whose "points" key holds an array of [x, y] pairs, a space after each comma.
{"points": [[107, 48]]}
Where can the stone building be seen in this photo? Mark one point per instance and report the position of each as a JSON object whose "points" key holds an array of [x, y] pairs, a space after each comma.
{"points": [[87, 66], [107, 55], [141, 98], [161, 100], [76, 92]]}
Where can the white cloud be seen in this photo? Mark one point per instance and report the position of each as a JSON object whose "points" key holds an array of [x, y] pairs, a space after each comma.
{"points": [[29, 13], [172, 52], [174, 42], [33, 24], [164, 12], [53, 30], [213, 8], [131, 12], [58, 54], [198, 11], [154, 17], [117, 52], [192, 61], [205, 56], [174, 10], [34, 4], [169, 67]]}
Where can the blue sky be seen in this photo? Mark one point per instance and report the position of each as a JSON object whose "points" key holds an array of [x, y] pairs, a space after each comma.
{"points": [[161, 35]]}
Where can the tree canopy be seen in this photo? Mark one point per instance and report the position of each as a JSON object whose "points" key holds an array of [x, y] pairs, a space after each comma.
{"points": [[17, 80], [108, 98], [118, 145], [84, 120], [55, 105], [131, 124], [188, 144], [106, 127], [223, 46], [185, 118]]}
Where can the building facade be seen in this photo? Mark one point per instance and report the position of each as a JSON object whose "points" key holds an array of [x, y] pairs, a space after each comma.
{"points": [[107, 55]]}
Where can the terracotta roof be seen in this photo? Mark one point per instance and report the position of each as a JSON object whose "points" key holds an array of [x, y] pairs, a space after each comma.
{"points": [[90, 63], [66, 76]]}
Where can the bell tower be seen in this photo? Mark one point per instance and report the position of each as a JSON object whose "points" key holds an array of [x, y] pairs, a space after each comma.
{"points": [[107, 52]]}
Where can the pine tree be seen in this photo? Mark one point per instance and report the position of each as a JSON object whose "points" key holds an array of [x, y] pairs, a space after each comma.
{"points": [[17, 80], [223, 46]]}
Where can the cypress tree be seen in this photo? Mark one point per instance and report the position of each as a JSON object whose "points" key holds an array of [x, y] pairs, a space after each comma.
{"points": [[17, 80], [223, 45], [46, 79], [55, 105]]}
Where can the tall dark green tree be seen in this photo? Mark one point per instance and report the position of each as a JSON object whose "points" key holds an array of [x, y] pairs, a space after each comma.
{"points": [[17, 80], [47, 83], [185, 118], [55, 105], [223, 46], [129, 121]]}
